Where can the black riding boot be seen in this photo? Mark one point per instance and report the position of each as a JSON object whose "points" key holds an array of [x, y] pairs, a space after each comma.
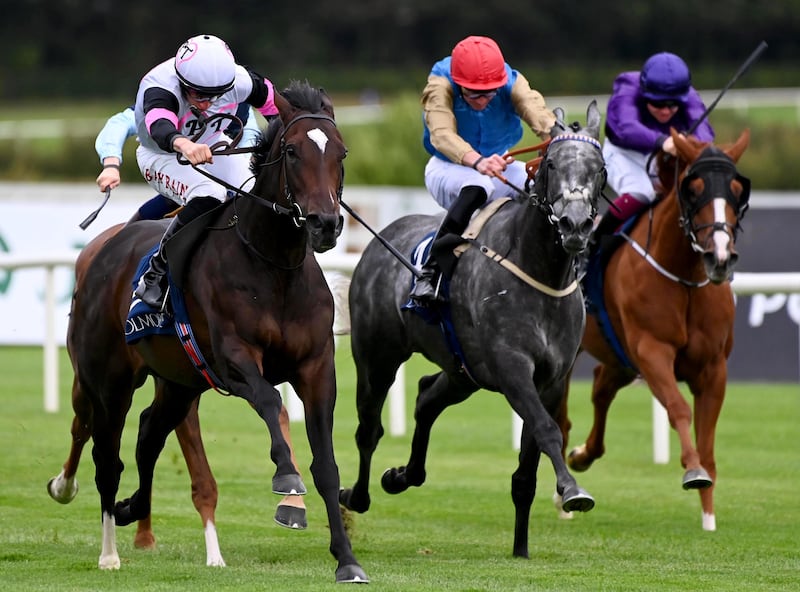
{"points": [[151, 288], [427, 287]]}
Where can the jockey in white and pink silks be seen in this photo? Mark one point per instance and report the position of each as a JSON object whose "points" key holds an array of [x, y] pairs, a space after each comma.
{"points": [[202, 78]]}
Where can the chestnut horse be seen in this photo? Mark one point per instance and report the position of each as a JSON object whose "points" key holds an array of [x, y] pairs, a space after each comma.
{"points": [[668, 297], [261, 314]]}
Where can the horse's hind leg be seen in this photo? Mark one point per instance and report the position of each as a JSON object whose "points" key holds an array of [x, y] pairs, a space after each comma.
{"points": [[204, 486], [607, 382], [64, 487], [436, 393], [169, 408]]}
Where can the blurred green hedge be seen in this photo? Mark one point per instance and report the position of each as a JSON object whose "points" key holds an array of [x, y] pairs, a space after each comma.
{"points": [[389, 152]]}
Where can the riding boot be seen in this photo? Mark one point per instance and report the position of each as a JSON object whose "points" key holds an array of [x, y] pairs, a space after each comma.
{"points": [[154, 209], [151, 289], [448, 236], [623, 208]]}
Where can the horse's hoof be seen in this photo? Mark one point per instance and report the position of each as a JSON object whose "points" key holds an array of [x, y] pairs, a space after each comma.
{"points": [[351, 574], [576, 459], [288, 485], [350, 501], [697, 479], [130, 510], [291, 517], [144, 540], [64, 495], [580, 501], [393, 480]]}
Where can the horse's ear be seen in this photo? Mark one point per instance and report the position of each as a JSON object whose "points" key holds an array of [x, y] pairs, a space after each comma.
{"points": [[736, 151], [559, 113], [593, 120], [327, 103], [684, 146], [284, 107]]}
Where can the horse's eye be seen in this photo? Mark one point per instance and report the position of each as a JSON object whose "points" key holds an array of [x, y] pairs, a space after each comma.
{"points": [[291, 151]]}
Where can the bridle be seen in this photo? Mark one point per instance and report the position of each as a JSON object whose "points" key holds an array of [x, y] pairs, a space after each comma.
{"points": [[538, 171], [222, 148], [717, 171]]}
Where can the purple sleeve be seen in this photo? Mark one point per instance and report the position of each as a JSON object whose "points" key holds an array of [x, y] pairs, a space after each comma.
{"points": [[624, 125]]}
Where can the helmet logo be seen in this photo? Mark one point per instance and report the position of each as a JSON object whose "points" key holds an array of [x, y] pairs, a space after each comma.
{"points": [[186, 51]]}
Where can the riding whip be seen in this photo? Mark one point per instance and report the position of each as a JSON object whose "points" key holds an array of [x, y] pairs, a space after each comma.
{"points": [[747, 63], [392, 249], [90, 218]]}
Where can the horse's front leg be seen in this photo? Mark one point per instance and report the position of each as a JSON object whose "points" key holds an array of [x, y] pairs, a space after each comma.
{"points": [[435, 395], [525, 399], [658, 370], [266, 400], [709, 393], [608, 380], [317, 390], [291, 510], [523, 490]]}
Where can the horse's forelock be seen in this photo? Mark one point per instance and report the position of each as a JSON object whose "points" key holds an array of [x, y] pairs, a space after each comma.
{"points": [[303, 96]]}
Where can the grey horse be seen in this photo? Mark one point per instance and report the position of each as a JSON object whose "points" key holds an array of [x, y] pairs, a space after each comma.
{"points": [[517, 313]]}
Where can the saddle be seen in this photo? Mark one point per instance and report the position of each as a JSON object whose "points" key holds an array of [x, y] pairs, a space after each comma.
{"points": [[143, 321], [592, 285], [441, 314]]}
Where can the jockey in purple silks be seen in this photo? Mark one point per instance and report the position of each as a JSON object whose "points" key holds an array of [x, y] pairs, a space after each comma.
{"points": [[643, 107]]}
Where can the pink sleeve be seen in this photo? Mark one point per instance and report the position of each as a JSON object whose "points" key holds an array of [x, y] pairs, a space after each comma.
{"points": [[156, 114], [269, 108]]}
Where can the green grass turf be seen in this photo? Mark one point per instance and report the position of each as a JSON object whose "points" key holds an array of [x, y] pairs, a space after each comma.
{"points": [[452, 534]]}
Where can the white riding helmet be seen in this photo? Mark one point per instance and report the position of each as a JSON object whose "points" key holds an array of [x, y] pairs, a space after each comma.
{"points": [[205, 64]]}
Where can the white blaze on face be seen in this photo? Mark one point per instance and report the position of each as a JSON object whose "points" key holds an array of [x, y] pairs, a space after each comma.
{"points": [[318, 137], [721, 239]]}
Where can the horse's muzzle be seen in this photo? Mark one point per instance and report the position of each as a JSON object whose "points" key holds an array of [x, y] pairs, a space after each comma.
{"points": [[718, 270], [323, 230]]}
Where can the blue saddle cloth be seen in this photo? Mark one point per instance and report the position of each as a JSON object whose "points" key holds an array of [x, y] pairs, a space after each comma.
{"points": [[595, 303], [144, 320], [440, 313]]}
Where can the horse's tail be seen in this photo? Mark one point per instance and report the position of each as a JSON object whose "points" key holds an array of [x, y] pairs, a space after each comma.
{"points": [[339, 285]]}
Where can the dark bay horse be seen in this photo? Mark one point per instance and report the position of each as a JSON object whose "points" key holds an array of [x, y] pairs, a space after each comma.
{"points": [[64, 487], [519, 328], [261, 314], [670, 303]]}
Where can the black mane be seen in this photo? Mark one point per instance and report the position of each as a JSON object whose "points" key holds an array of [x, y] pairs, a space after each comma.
{"points": [[303, 97]]}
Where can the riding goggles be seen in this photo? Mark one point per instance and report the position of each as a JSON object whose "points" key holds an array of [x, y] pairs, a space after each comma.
{"points": [[478, 94], [667, 104]]}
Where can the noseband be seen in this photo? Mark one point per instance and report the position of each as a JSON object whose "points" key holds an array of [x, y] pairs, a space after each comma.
{"points": [[540, 196], [717, 171]]}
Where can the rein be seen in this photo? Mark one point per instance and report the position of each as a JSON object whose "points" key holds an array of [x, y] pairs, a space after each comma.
{"points": [[533, 167], [224, 149], [718, 166]]}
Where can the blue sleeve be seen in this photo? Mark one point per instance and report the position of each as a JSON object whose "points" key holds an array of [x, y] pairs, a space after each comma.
{"points": [[251, 131], [112, 137]]}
